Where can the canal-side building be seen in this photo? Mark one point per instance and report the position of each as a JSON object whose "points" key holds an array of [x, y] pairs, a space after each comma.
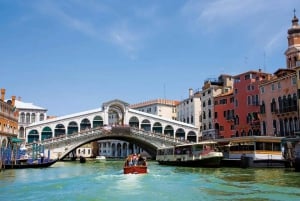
{"points": [[280, 95], [278, 104], [189, 109], [224, 115], [28, 114], [247, 105], [211, 89], [8, 121], [160, 107]]}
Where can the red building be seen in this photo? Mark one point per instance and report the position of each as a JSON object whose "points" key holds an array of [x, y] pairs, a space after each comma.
{"points": [[224, 115], [247, 105]]}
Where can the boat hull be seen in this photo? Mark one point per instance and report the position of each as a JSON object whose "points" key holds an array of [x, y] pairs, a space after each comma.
{"points": [[206, 162], [135, 169], [29, 165]]}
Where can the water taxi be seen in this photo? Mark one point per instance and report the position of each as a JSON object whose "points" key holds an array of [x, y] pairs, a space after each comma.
{"points": [[201, 154], [135, 164], [252, 151]]}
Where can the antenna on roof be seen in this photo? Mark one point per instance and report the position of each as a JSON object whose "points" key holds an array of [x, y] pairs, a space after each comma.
{"points": [[264, 61], [164, 91]]}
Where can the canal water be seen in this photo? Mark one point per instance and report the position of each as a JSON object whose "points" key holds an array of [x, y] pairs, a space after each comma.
{"points": [[93, 181]]}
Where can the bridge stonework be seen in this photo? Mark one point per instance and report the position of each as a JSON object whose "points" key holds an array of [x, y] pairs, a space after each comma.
{"points": [[115, 120]]}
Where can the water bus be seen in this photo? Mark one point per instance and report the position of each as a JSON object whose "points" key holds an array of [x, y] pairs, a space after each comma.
{"points": [[252, 151], [201, 154]]}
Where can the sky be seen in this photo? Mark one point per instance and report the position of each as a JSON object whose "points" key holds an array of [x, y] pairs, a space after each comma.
{"points": [[69, 56]]}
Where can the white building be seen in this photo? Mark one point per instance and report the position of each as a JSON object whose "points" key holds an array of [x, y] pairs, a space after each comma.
{"points": [[28, 113], [161, 107], [189, 109]]}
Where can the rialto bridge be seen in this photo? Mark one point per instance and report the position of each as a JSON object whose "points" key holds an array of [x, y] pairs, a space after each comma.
{"points": [[115, 120]]}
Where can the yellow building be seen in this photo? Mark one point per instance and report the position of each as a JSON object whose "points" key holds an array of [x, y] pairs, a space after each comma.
{"points": [[8, 120]]}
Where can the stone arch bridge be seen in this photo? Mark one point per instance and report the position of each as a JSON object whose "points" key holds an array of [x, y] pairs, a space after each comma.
{"points": [[115, 120]]}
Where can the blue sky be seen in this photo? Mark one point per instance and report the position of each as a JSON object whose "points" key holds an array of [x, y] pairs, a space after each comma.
{"points": [[73, 55]]}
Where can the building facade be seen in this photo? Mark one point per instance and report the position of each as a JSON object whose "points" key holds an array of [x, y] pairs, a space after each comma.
{"points": [[160, 107], [28, 114], [280, 95], [247, 104], [189, 109], [278, 104], [224, 115], [8, 120], [211, 89]]}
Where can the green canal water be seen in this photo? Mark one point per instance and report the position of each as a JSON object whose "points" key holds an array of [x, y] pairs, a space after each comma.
{"points": [[105, 181]]}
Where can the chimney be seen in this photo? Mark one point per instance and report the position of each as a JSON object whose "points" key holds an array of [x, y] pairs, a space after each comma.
{"points": [[2, 94], [13, 100], [190, 92]]}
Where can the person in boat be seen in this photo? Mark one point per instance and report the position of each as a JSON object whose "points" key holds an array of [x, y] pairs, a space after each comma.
{"points": [[135, 159], [129, 161], [141, 160], [42, 157]]}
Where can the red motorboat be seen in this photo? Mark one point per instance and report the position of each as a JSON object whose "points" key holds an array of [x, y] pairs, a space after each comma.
{"points": [[135, 165]]}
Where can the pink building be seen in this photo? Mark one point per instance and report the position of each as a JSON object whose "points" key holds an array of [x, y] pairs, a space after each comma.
{"points": [[279, 111]]}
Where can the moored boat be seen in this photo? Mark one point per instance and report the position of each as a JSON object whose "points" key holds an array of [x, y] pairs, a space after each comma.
{"points": [[135, 164], [252, 151], [100, 159], [29, 164], [202, 154]]}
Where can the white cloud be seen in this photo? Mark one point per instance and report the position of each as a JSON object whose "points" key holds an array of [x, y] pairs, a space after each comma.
{"points": [[54, 10]]}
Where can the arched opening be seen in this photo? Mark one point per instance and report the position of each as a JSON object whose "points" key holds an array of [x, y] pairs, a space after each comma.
{"points": [[59, 130], [169, 131], [72, 127], [146, 125], [21, 132], [85, 124], [134, 122], [46, 133], [33, 136], [97, 122], [157, 127], [191, 136], [180, 134]]}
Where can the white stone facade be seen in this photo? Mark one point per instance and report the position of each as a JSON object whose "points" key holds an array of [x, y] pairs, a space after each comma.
{"points": [[160, 107], [28, 114], [189, 109]]}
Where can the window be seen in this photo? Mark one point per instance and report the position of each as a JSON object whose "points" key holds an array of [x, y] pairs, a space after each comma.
{"points": [[262, 90], [273, 87], [294, 82], [247, 76], [278, 85], [249, 100]]}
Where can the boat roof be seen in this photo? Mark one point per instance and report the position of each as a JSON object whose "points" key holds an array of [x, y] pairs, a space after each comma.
{"points": [[206, 142], [250, 139]]}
